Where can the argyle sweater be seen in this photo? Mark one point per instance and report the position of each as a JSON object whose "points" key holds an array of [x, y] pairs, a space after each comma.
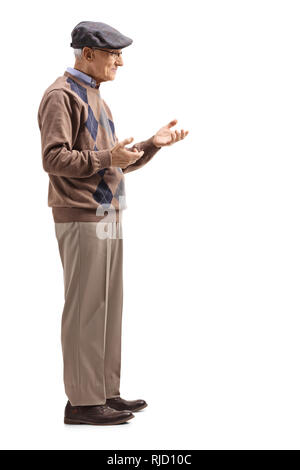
{"points": [[77, 135]]}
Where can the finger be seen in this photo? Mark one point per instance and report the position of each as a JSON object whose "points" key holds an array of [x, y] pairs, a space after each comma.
{"points": [[130, 151], [172, 123], [132, 155], [178, 135], [134, 159], [182, 133], [126, 141]]}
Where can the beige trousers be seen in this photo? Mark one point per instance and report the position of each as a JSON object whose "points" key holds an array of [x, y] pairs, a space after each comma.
{"points": [[92, 314]]}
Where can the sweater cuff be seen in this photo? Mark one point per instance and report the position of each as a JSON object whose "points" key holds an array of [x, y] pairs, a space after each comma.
{"points": [[102, 159]]}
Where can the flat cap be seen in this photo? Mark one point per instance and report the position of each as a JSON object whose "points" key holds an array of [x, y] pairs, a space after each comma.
{"points": [[96, 34]]}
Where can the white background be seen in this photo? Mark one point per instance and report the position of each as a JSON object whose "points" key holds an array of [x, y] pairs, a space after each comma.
{"points": [[211, 234]]}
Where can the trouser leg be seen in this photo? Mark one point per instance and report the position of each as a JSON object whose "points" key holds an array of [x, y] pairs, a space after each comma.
{"points": [[114, 316], [86, 264]]}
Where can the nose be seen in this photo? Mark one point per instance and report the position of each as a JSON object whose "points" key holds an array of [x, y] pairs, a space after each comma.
{"points": [[119, 61]]}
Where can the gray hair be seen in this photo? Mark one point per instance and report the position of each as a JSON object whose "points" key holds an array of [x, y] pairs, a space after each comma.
{"points": [[78, 53]]}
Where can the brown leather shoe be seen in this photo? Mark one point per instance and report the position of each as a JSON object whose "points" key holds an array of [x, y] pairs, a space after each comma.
{"points": [[131, 405], [97, 415]]}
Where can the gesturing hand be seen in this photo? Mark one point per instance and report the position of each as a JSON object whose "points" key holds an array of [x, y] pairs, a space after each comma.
{"points": [[165, 136], [122, 157]]}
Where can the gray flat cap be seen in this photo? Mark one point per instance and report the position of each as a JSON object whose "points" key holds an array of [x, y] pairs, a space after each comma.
{"points": [[96, 34]]}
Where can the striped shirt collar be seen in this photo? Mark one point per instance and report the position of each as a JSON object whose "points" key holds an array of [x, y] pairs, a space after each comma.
{"points": [[83, 76]]}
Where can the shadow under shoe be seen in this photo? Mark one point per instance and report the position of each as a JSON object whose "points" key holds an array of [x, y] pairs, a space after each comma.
{"points": [[98, 415], [120, 404]]}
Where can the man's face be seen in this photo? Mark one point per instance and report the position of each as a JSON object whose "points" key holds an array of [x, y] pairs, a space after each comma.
{"points": [[102, 65]]}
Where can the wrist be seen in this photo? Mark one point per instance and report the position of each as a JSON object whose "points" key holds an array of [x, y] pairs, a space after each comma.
{"points": [[157, 146]]}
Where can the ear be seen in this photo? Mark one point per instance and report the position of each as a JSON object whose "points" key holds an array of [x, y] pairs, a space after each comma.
{"points": [[88, 53]]}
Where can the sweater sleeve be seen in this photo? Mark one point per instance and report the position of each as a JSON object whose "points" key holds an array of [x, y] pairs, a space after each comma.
{"points": [[149, 151], [59, 123]]}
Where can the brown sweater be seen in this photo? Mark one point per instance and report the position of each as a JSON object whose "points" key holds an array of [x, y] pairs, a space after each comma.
{"points": [[77, 134]]}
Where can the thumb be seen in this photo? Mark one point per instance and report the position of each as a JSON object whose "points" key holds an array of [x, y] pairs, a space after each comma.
{"points": [[126, 141], [172, 123]]}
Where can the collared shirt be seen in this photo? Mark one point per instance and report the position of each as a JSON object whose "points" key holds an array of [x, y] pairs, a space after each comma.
{"points": [[83, 76]]}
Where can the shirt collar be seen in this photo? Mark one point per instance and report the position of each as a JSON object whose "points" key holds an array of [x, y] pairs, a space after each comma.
{"points": [[83, 76]]}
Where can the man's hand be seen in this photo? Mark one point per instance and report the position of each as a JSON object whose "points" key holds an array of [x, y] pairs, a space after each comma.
{"points": [[165, 136], [123, 157]]}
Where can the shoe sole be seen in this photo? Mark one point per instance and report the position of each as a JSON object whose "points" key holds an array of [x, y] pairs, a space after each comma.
{"points": [[83, 421], [139, 409]]}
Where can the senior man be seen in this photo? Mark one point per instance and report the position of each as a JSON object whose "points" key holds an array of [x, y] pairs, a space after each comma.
{"points": [[86, 163]]}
